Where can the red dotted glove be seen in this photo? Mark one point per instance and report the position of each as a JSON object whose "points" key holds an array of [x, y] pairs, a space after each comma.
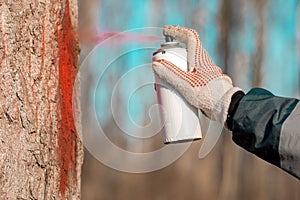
{"points": [[204, 85]]}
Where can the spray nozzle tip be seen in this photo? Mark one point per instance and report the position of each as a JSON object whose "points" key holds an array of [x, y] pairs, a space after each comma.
{"points": [[169, 38]]}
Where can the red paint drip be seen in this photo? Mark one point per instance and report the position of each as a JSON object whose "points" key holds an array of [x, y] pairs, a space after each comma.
{"points": [[68, 57]]}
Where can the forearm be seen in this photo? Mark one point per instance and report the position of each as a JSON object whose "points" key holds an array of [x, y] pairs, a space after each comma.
{"points": [[267, 126], [261, 123]]}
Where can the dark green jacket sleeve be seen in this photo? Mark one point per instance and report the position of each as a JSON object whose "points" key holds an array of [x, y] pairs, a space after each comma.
{"points": [[269, 127]]}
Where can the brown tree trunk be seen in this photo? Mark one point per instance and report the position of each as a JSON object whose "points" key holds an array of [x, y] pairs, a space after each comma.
{"points": [[40, 153]]}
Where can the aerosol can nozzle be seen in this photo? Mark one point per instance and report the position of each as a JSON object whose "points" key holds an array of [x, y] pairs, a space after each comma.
{"points": [[169, 38]]}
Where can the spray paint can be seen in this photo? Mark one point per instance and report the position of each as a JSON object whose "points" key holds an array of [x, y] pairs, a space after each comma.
{"points": [[181, 122]]}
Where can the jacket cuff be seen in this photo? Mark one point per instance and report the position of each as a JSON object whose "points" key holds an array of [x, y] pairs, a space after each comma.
{"points": [[235, 100]]}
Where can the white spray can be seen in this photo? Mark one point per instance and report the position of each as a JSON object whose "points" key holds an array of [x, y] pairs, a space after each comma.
{"points": [[181, 122]]}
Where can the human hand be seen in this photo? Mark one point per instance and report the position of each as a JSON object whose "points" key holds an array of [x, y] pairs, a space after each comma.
{"points": [[204, 85]]}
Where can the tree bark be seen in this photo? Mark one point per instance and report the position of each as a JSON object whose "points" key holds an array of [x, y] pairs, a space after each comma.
{"points": [[40, 153]]}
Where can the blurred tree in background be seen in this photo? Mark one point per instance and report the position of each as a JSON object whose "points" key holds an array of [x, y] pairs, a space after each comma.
{"points": [[255, 42]]}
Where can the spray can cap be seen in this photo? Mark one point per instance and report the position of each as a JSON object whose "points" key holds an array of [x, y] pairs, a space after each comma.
{"points": [[170, 43]]}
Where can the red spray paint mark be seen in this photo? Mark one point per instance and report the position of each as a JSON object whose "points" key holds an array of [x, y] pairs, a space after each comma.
{"points": [[68, 57], [94, 37]]}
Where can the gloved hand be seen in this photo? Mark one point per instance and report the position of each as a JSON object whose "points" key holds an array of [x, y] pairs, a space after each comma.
{"points": [[204, 85]]}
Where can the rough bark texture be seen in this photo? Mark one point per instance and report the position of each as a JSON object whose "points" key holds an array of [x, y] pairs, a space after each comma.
{"points": [[40, 153]]}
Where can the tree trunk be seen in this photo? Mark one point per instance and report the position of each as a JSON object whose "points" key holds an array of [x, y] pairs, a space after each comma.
{"points": [[41, 155]]}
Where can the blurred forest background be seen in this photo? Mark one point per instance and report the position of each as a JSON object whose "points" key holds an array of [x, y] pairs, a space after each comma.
{"points": [[256, 42]]}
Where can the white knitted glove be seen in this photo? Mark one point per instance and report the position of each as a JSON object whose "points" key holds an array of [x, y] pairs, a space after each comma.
{"points": [[204, 86]]}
